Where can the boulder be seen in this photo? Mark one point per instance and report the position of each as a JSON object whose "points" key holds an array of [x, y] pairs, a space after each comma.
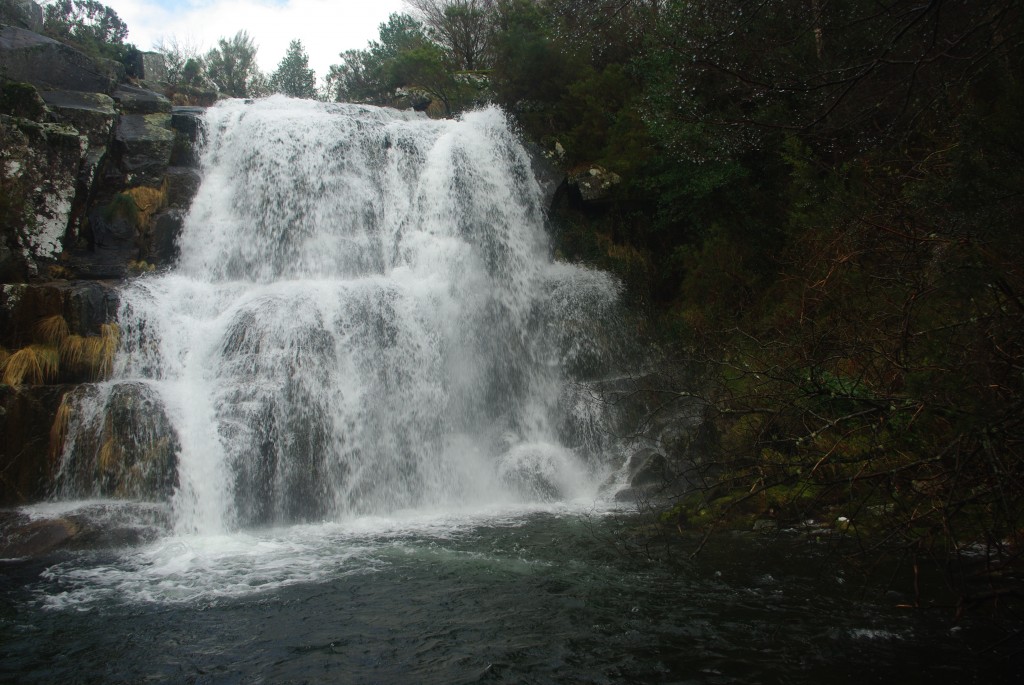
{"points": [[22, 100], [128, 450], [52, 65], [182, 186], [548, 177], [648, 468], [132, 100], [92, 114], [23, 14], [188, 125], [189, 121], [650, 476], [159, 245], [90, 526], [143, 144], [86, 305], [39, 175], [593, 182], [24, 537], [150, 66]]}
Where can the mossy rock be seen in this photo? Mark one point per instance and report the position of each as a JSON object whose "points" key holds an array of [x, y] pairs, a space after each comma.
{"points": [[22, 100]]}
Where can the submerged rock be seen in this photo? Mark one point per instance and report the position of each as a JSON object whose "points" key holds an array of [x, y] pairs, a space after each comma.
{"points": [[24, 537], [91, 526]]}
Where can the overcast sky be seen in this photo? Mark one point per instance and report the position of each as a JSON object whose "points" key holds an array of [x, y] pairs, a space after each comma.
{"points": [[325, 27]]}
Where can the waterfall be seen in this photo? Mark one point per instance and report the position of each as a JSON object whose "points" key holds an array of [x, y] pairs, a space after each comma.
{"points": [[365, 318]]}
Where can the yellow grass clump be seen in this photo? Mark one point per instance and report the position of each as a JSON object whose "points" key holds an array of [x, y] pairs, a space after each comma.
{"points": [[93, 353], [109, 339], [139, 204], [35, 364], [52, 330], [59, 430]]}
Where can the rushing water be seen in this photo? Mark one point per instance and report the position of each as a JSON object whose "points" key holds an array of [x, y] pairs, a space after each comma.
{"points": [[365, 319], [353, 436]]}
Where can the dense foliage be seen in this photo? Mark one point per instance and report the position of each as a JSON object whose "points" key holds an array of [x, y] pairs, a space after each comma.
{"points": [[293, 76], [819, 212], [90, 26], [231, 66]]}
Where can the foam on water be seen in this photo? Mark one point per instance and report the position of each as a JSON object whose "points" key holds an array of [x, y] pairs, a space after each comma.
{"points": [[205, 568]]}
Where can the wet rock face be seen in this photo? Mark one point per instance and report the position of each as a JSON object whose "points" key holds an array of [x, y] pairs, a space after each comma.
{"points": [[26, 416], [160, 243], [85, 305], [74, 137], [188, 126], [129, 450]]}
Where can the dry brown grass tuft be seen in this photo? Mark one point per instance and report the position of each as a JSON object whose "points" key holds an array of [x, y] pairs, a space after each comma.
{"points": [[73, 351], [92, 355], [110, 338], [59, 430], [52, 330], [35, 365], [148, 202]]}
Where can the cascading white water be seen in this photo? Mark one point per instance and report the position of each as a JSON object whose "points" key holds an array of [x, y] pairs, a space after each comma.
{"points": [[365, 319]]}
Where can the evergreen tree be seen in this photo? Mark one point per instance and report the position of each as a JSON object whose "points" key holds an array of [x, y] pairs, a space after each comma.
{"points": [[293, 76], [403, 58]]}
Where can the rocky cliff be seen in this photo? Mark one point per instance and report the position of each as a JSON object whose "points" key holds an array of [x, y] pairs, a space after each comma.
{"points": [[96, 172]]}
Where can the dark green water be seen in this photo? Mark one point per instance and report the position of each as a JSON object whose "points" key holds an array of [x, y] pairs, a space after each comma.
{"points": [[529, 597]]}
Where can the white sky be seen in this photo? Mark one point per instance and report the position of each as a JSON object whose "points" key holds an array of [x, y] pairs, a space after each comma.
{"points": [[325, 27]]}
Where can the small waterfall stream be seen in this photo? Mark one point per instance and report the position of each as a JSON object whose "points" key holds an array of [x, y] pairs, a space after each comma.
{"points": [[365, 319]]}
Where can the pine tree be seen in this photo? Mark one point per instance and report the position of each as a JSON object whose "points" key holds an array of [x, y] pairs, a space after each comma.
{"points": [[293, 76]]}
